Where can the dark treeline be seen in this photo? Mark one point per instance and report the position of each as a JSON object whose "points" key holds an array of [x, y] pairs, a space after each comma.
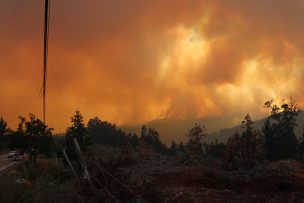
{"points": [[31, 133], [275, 141], [105, 133]]}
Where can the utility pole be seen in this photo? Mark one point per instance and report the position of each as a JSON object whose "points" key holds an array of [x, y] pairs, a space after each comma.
{"points": [[45, 54]]}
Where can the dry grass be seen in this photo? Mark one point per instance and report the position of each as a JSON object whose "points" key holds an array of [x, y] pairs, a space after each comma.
{"points": [[37, 183]]}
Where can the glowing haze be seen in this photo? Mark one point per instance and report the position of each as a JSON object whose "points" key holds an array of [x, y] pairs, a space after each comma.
{"points": [[132, 61]]}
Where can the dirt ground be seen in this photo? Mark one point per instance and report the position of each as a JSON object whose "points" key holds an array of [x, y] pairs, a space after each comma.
{"points": [[170, 180], [117, 177]]}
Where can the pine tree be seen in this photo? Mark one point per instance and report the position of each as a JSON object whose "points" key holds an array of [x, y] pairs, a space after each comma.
{"points": [[79, 131]]}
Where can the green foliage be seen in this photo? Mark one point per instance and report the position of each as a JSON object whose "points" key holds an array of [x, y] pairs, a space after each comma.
{"points": [[280, 140]]}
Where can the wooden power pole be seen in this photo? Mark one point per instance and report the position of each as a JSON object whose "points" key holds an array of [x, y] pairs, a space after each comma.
{"points": [[45, 54]]}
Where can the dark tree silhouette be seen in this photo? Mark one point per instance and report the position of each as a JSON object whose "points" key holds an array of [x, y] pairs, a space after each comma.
{"points": [[173, 149], [252, 144], [134, 140], [143, 133], [4, 130], [17, 138], [79, 131], [245, 151], [32, 134], [150, 137], [280, 139], [39, 135], [194, 145], [271, 147], [216, 149], [105, 133], [181, 147], [301, 147]]}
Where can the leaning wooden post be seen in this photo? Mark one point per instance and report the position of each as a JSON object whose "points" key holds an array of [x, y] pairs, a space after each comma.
{"points": [[86, 173], [69, 162]]}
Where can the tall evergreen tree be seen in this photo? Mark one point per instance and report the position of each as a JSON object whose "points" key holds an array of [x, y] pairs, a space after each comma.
{"points": [[79, 131]]}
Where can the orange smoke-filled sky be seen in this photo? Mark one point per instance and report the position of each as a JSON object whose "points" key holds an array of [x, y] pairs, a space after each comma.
{"points": [[132, 61]]}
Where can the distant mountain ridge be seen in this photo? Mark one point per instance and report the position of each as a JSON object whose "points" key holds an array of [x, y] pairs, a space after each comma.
{"points": [[225, 133], [176, 129], [217, 128]]}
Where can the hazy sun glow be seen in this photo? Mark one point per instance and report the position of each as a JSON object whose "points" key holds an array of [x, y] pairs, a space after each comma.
{"points": [[186, 55]]}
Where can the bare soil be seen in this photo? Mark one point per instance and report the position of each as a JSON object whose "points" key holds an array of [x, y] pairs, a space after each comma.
{"points": [[170, 180]]}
